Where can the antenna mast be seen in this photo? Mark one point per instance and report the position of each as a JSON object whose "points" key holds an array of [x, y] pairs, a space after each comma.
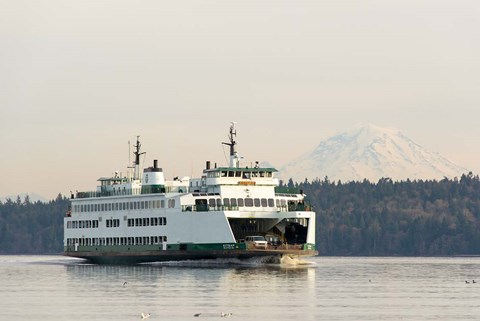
{"points": [[136, 164], [233, 151]]}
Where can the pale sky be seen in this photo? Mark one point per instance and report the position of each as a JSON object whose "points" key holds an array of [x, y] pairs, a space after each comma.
{"points": [[79, 79]]}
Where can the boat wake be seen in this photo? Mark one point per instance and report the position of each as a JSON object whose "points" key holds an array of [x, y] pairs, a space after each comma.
{"points": [[287, 260], [284, 261]]}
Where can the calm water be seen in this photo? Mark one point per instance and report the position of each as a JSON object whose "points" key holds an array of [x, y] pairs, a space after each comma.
{"points": [[58, 288]]}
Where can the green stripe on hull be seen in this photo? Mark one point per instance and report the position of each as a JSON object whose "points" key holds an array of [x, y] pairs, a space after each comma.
{"points": [[158, 247]]}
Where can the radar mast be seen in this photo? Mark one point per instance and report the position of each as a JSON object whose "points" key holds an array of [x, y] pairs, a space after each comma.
{"points": [[234, 161], [136, 164]]}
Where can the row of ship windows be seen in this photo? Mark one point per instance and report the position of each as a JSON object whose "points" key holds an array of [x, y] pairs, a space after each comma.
{"points": [[152, 221], [83, 224], [247, 202], [148, 221], [246, 174], [99, 241], [123, 206]]}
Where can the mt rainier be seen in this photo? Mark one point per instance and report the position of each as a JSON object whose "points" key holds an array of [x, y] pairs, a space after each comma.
{"points": [[370, 152]]}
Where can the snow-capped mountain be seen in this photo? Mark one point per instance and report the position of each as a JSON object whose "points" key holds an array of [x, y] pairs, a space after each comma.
{"points": [[370, 152]]}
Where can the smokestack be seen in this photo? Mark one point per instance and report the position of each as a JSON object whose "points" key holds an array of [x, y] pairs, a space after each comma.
{"points": [[207, 165], [155, 163]]}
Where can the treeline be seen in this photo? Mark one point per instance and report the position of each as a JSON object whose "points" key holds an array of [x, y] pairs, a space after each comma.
{"points": [[407, 218], [32, 228]]}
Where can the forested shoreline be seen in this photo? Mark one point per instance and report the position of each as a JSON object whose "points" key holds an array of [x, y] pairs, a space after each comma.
{"points": [[386, 218]]}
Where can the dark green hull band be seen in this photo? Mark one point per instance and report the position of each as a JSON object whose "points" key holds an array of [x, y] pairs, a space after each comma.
{"points": [[178, 255]]}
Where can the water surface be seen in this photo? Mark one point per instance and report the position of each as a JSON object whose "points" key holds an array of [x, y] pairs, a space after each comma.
{"points": [[330, 288]]}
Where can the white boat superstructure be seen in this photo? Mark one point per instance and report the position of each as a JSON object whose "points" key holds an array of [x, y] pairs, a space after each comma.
{"points": [[146, 218]]}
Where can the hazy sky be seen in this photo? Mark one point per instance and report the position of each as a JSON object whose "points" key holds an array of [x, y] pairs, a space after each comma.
{"points": [[78, 79]]}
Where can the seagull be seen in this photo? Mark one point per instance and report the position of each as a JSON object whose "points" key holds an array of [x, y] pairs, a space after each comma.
{"points": [[473, 281], [125, 283], [467, 282], [223, 315], [196, 314], [145, 316]]}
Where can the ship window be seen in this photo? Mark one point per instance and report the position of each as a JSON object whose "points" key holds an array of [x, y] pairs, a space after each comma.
{"points": [[233, 202], [145, 222], [256, 201], [164, 220], [162, 203], [219, 202], [142, 205], [283, 202], [224, 174], [240, 202], [165, 238], [249, 202], [268, 174], [262, 174], [264, 202], [238, 174], [226, 202], [254, 174], [211, 202], [246, 175], [278, 202], [130, 222], [271, 202], [231, 174]]}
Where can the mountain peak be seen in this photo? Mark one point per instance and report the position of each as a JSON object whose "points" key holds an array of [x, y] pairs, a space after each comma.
{"points": [[371, 152]]}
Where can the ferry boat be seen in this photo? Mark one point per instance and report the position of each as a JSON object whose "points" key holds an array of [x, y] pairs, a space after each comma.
{"points": [[228, 212]]}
